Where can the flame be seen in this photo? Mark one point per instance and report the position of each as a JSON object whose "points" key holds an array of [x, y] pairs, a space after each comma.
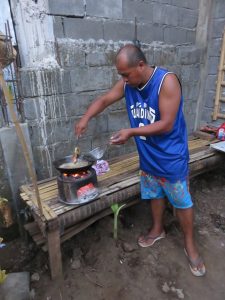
{"points": [[76, 175]]}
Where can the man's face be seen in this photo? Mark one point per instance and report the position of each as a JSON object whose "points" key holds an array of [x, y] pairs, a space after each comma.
{"points": [[130, 75]]}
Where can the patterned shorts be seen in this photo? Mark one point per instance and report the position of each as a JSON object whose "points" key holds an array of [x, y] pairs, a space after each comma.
{"points": [[177, 193]]}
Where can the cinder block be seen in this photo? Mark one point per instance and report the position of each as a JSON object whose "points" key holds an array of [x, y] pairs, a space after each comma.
{"points": [[190, 73], [218, 27], [148, 33], [117, 31], [83, 28], [215, 47], [190, 36], [31, 108], [40, 82], [66, 7], [58, 27], [175, 35], [206, 115], [187, 18], [94, 59], [218, 9], [143, 11], [209, 99], [104, 8], [118, 120], [70, 55], [90, 78], [211, 82], [192, 4], [189, 55], [213, 65], [165, 14]]}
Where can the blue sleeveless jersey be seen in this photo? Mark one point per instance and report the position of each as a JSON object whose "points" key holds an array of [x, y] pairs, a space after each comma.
{"points": [[164, 155]]}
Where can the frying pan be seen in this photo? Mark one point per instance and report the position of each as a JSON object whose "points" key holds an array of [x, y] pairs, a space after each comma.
{"points": [[69, 159]]}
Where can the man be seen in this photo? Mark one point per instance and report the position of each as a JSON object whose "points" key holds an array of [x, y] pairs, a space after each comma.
{"points": [[154, 105]]}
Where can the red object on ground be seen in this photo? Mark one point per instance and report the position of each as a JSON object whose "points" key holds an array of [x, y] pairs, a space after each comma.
{"points": [[220, 134]]}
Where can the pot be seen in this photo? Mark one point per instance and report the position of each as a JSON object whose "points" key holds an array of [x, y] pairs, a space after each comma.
{"points": [[84, 163]]}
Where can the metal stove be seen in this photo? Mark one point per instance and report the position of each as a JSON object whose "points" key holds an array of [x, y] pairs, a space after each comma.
{"points": [[78, 188]]}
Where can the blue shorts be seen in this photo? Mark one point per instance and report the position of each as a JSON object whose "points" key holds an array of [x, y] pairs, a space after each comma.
{"points": [[153, 187]]}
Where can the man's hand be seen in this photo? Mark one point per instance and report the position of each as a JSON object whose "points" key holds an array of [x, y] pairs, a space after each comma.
{"points": [[121, 137], [81, 127]]}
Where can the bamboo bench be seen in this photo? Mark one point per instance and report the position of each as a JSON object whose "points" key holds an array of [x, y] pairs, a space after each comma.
{"points": [[60, 222]]}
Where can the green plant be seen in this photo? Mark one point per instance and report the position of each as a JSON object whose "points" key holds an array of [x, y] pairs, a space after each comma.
{"points": [[2, 272], [116, 209]]}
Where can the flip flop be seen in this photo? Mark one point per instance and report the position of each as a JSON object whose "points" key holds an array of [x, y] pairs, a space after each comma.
{"points": [[149, 241], [194, 265]]}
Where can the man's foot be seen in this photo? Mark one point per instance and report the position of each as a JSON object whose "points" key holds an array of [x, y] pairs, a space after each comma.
{"points": [[197, 266], [149, 240]]}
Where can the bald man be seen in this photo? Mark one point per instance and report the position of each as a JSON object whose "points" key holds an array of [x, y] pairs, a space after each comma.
{"points": [[154, 106]]}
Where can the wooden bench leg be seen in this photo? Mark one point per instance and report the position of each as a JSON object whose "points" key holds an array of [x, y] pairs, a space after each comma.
{"points": [[54, 252]]}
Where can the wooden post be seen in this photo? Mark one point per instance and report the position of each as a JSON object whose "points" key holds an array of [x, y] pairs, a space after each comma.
{"points": [[54, 252], [9, 99], [219, 79]]}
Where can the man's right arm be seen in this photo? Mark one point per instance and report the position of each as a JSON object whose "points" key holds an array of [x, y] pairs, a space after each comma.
{"points": [[99, 104]]}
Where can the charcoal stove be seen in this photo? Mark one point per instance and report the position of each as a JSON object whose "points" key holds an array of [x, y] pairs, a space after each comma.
{"points": [[77, 188]]}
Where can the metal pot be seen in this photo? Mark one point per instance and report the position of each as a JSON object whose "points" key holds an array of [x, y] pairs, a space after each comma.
{"points": [[86, 159]]}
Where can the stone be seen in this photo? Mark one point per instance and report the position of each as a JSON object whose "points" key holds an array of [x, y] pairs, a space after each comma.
{"points": [[76, 264], [127, 247], [16, 286], [35, 277]]}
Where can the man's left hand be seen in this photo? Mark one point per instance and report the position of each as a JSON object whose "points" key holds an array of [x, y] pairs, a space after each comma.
{"points": [[121, 137]]}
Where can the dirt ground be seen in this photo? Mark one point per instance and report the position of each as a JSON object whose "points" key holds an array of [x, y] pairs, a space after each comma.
{"points": [[96, 267]]}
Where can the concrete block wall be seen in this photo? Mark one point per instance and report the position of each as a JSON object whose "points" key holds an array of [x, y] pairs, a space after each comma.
{"points": [[216, 29], [79, 65], [87, 36]]}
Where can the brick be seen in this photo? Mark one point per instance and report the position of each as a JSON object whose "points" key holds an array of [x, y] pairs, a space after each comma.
{"points": [[187, 18], [83, 28], [70, 55], [191, 4], [143, 11], [66, 7], [147, 33], [91, 78], [104, 8], [118, 31], [165, 14]]}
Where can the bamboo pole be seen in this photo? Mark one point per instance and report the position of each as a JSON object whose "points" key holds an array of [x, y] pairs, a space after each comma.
{"points": [[9, 99], [219, 80]]}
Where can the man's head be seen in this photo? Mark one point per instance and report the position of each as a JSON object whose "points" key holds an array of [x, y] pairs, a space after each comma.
{"points": [[131, 64]]}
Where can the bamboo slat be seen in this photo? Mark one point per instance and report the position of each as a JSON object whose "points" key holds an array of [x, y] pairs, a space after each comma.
{"points": [[122, 174]]}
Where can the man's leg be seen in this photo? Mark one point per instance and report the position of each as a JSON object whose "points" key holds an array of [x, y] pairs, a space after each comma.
{"points": [[186, 217], [156, 232]]}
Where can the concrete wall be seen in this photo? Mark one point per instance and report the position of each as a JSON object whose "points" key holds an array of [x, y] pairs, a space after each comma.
{"points": [[68, 49], [212, 58]]}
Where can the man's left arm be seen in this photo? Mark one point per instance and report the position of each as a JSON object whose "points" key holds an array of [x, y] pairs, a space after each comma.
{"points": [[169, 101]]}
